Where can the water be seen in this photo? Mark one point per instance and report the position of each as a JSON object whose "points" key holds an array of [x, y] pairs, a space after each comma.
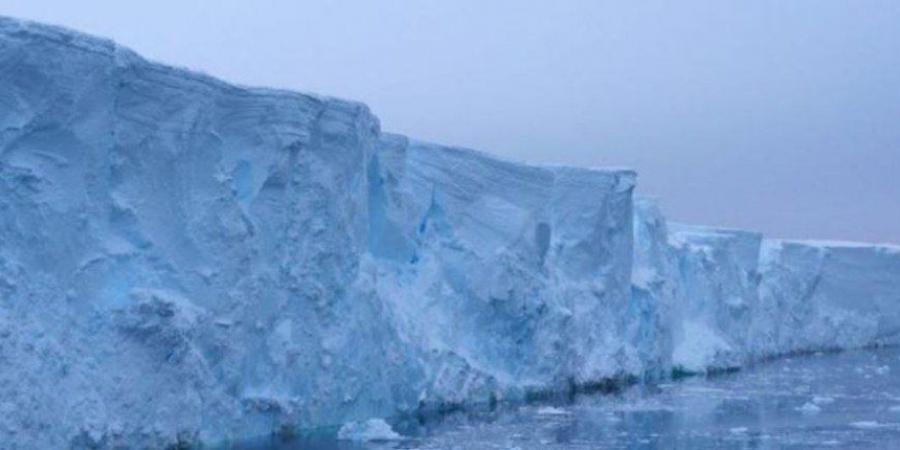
{"points": [[844, 400]]}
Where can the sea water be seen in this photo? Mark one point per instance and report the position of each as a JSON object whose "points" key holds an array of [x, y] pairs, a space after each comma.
{"points": [[832, 400]]}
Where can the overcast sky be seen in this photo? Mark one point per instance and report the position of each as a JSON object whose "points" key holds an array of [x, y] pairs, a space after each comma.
{"points": [[779, 116]]}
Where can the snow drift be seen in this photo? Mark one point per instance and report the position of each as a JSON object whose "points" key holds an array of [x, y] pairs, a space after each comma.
{"points": [[185, 260]]}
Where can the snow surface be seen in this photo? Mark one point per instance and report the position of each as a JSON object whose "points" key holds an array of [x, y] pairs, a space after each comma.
{"points": [[185, 260]]}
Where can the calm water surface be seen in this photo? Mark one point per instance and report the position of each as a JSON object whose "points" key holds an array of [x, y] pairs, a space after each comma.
{"points": [[843, 400]]}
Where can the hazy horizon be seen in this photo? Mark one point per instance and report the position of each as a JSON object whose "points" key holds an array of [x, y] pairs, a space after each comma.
{"points": [[771, 116]]}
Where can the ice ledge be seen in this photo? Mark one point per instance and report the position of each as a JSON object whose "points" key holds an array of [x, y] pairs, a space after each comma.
{"points": [[681, 232], [833, 244]]}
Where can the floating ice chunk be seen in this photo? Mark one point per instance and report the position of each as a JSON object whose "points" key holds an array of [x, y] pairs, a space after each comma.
{"points": [[738, 430], [809, 408], [822, 400], [866, 424], [368, 431], [552, 411]]}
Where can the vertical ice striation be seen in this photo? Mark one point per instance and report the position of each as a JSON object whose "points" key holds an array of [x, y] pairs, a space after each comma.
{"points": [[728, 297], [718, 278], [192, 261], [183, 260], [518, 274], [828, 295], [655, 294], [181, 257]]}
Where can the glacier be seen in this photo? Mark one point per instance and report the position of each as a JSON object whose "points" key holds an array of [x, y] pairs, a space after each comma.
{"points": [[186, 261]]}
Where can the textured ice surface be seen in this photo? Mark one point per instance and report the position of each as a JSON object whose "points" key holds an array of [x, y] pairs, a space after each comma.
{"points": [[734, 297], [702, 284], [523, 273], [186, 260], [718, 281], [828, 295], [181, 258], [656, 287], [369, 430]]}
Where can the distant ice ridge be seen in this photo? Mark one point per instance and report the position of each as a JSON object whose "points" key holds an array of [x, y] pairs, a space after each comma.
{"points": [[184, 260], [729, 297], [827, 295]]}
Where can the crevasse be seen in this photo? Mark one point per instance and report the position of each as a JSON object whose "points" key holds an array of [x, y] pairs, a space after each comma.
{"points": [[184, 260]]}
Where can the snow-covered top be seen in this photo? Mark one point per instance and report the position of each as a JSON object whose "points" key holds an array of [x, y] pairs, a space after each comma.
{"points": [[693, 235], [628, 176], [13, 28], [682, 232], [837, 244], [479, 154], [707, 230], [650, 200], [124, 57]]}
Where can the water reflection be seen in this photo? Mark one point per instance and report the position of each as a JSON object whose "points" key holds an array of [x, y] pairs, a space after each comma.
{"points": [[844, 400]]}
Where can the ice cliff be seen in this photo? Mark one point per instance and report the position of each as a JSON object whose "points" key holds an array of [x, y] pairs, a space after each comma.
{"points": [[827, 295], [725, 298], [183, 260]]}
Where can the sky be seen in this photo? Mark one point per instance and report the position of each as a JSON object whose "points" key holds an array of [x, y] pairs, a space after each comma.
{"points": [[776, 116]]}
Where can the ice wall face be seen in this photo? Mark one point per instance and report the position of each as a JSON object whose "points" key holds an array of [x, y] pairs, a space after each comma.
{"points": [[718, 281], [656, 288], [184, 259], [828, 295], [180, 256], [520, 272], [723, 298], [697, 288]]}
